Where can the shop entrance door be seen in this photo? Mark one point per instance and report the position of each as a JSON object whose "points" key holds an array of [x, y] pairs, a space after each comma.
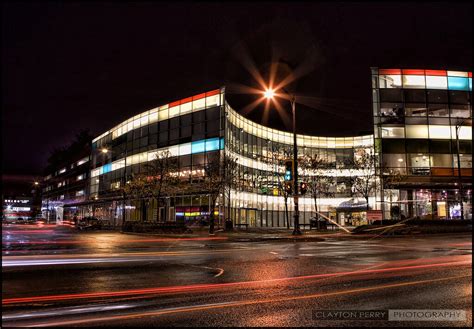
{"points": [[252, 217]]}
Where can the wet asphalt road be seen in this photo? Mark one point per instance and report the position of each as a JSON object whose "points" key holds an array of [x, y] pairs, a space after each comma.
{"points": [[54, 276]]}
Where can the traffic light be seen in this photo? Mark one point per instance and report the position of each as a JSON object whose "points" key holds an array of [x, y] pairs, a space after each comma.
{"points": [[303, 187], [288, 188], [288, 170]]}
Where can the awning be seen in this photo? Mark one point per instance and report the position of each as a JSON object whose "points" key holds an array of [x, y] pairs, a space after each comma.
{"points": [[351, 205]]}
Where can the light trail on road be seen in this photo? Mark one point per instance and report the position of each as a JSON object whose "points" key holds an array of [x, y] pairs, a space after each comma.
{"points": [[197, 287], [65, 259], [203, 307], [121, 242]]}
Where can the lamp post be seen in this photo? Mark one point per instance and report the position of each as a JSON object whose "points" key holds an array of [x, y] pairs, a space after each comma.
{"points": [[458, 127], [269, 93], [124, 177]]}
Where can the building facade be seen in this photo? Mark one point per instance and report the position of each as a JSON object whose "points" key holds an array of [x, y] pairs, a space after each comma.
{"points": [[65, 189], [423, 134], [414, 119]]}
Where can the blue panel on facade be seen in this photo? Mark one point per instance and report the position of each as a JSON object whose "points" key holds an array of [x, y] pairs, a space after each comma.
{"points": [[212, 144], [470, 86], [458, 83], [107, 168], [198, 146], [222, 143]]}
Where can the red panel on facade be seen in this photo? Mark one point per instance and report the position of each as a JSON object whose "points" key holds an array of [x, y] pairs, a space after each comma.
{"points": [[413, 72], [390, 71], [213, 92], [469, 74], [186, 100], [174, 104], [199, 96], [436, 72]]}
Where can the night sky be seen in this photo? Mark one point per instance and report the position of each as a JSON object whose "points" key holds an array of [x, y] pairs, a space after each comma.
{"points": [[67, 66]]}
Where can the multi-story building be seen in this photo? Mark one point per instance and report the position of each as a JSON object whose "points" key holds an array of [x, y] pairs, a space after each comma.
{"points": [[423, 134], [65, 188], [415, 118]]}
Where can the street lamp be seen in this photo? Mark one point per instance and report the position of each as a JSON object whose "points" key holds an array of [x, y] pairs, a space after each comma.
{"points": [[459, 124], [270, 93]]}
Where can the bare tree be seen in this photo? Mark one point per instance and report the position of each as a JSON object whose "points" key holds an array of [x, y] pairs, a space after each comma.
{"points": [[363, 175], [278, 156], [218, 175], [231, 180], [391, 178], [319, 183], [160, 179]]}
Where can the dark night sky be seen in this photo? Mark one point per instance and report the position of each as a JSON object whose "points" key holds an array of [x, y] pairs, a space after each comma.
{"points": [[73, 65]]}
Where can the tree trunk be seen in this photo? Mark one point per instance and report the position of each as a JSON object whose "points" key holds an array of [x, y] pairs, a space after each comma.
{"points": [[367, 200], [157, 209], [211, 216], [316, 207], [286, 214]]}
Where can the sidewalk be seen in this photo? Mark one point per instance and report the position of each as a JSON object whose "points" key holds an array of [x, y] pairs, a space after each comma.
{"points": [[251, 234]]}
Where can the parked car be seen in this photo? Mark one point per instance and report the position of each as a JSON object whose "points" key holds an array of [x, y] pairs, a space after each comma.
{"points": [[89, 223], [319, 223]]}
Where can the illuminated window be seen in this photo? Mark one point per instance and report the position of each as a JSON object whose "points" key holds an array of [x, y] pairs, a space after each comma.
{"points": [[419, 163], [212, 144], [80, 193], [465, 132], [390, 81], [436, 82], [414, 81], [144, 120], [441, 160], [62, 170], [460, 111], [416, 131], [173, 111], [84, 160], [174, 150], [212, 100], [464, 159], [415, 110], [136, 123], [118, 164], [185, 149], [393, 132], [199, 104], [107, 168], [153, 117], [80, 177], [458, 83], [198, 147], [163, 114], [186, 107]]}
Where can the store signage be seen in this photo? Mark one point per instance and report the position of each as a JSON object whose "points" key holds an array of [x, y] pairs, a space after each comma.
{"points": [[374, 214]]}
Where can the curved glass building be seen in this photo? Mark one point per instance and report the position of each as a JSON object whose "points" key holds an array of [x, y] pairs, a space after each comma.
{"points": [[416, 116]]}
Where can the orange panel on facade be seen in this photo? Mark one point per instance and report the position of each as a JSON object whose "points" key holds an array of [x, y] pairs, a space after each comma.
{"points": [[186, 100], [436, 72], [413, 72], [213, 92], [173, 104], [441, 171], [464, 172], [199, 96], [390, 71]]}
